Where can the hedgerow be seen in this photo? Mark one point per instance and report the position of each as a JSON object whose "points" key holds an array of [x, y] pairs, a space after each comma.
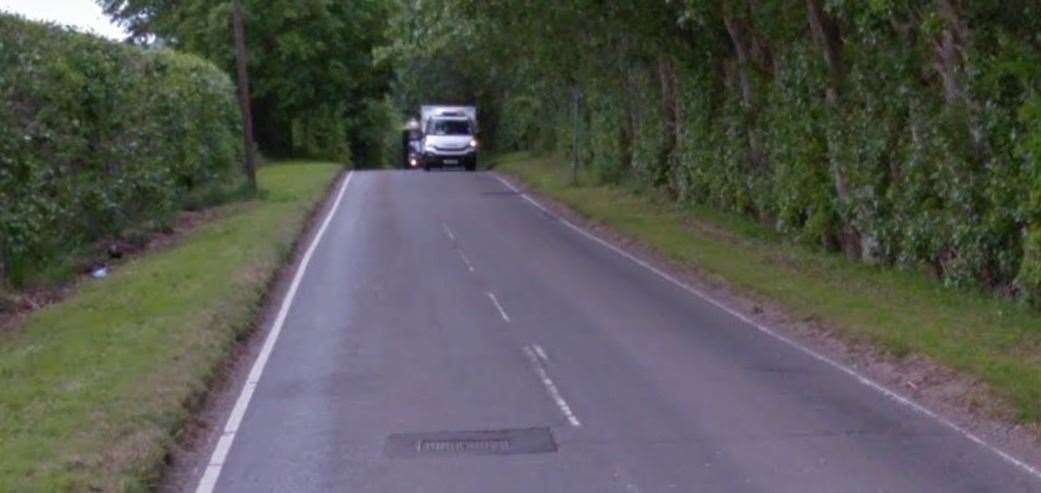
{"points": [[900, 132], [97, 137]]}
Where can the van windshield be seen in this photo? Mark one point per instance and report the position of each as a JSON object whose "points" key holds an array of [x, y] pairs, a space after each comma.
{"points": [[449, 127]]}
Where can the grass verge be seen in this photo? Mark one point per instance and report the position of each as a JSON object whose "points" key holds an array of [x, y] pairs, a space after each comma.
{"points": [[92, 389], [995, 340]]}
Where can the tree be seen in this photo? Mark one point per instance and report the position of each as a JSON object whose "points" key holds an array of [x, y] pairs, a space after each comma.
{"points": [[311, 62], [896, 131], [241, 61]]}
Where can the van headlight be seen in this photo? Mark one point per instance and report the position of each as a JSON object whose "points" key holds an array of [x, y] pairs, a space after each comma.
{"points": [[473, 144]]}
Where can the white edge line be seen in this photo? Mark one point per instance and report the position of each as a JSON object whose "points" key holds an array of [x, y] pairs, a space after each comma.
{"points": [[1007, 457], [508, 184], [540, 206], [551, 387], [448, 231], [495, 301], [220, 453]]}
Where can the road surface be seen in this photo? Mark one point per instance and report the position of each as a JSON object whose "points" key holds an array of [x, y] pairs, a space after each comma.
{"points": [[437, 303]]}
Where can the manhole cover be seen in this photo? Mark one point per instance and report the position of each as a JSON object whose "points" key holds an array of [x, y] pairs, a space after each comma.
{"points": [[452, 443]]}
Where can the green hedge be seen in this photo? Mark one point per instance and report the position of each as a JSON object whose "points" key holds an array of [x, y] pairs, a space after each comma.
{"points": [[97, 137], [902, 132]]}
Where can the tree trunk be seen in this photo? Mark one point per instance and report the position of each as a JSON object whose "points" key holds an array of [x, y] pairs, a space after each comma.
{"points": [[828, 39], [576, 98], [244, 97], [951, 62], [670, 111], [750, 53], [627, 136], [737, 29], [948, 49]]}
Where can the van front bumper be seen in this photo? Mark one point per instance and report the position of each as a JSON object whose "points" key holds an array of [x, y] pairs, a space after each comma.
{"points": [[442, 159]]}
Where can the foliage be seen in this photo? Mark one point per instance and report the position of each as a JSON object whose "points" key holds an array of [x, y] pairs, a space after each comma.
{"points": [[901, 132], [96, 137], [312, 73], [96, 388]]}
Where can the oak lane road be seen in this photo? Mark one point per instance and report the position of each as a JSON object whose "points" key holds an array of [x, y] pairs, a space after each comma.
{"points": [[445, 334]]}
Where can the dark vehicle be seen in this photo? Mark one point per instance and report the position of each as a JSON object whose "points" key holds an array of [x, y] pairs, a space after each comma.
{"points": [[411, 146]]}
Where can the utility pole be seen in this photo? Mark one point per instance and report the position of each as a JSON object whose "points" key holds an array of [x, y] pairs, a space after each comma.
{"points": [[244, 99]]}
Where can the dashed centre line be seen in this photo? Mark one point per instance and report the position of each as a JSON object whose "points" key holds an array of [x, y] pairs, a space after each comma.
{"points": [[462, 255], [466, 261], [537, 357], [540, 352], [502, 312]]}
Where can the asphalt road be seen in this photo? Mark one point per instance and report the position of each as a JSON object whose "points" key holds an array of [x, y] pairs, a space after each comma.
{"points": [[445, 302]]}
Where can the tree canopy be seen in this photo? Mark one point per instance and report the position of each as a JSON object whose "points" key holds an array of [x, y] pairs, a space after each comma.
{"points": [[903, 132], [314, 79], [896, 131]]}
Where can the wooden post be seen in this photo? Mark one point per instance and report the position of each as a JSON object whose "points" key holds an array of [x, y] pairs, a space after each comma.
{"points": [[244, 98], [576, 96]]}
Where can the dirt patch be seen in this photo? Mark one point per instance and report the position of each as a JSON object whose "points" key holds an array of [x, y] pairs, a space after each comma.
{"points": [[953, 396], [109, 254]]}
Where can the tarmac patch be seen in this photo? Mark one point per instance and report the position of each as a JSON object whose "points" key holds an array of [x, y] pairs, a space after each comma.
{"points": [[460, 443]]}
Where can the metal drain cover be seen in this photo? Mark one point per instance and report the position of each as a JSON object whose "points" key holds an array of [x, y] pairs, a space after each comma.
{"points": [[454, 443]]}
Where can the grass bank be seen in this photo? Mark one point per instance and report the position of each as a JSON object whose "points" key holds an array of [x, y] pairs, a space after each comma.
{"points": [[93, 388], [995, 340]]}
